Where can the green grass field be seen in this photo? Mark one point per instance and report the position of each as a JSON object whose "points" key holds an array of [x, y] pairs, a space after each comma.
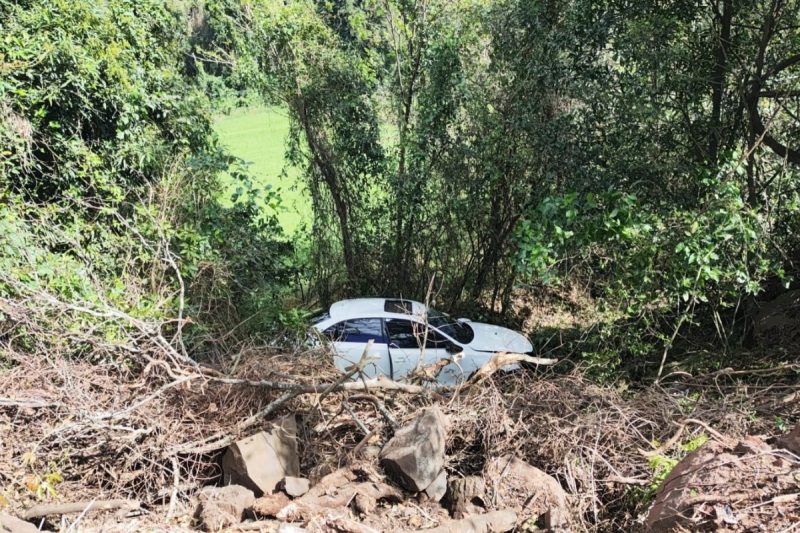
{"points": [[257, 134]]}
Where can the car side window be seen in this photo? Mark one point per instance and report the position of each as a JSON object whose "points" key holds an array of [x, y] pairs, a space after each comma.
{"points": [[408, 334], [401, 333], [364, 330], [436, 339]]}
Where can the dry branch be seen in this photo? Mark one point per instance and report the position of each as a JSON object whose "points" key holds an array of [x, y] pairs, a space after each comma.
{"points": [[503, 359], [48, 509]]}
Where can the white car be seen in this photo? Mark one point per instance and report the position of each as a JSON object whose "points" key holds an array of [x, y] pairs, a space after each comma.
{"points": [[406, 334]]}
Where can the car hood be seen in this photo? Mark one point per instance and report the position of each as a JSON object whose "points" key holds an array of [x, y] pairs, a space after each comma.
{"points": [[489, 338]]}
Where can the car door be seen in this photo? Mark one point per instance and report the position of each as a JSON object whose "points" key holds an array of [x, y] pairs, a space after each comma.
{"points": [[349, 338], [409, 345]]}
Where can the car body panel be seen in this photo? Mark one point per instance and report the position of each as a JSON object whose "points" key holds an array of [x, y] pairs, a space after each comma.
{"points": [[497, 338]]}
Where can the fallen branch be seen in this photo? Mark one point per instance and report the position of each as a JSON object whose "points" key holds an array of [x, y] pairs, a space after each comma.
{"points": [[503, 359], [259, 525], [48, 509], [379, 406], [672, 440], [503, 520]]}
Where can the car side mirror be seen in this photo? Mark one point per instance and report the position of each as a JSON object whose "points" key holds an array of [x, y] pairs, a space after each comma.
{"points": [[453, 348]]}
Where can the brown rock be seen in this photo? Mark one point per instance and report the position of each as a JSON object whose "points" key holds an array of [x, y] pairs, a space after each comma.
{"points": [[491, 522], [270, 504], [261, 461], [673, 494], [364, 503], [465, 496], [221, 507], [415, 455], [724, 483], [12, 524], [295, 486], [526, 489], [335, 492]]}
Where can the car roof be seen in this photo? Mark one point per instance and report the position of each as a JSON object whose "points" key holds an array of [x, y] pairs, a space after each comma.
{"points": [[376, 307]]}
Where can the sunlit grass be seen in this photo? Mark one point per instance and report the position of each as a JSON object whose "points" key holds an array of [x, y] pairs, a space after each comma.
{"points": [[257, 134]]}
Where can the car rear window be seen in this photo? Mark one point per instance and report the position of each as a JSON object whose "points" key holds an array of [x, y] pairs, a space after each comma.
{"points": [[397, 306]]}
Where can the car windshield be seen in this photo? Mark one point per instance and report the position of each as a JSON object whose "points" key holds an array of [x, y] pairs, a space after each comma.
{"points": [[453, 328]]}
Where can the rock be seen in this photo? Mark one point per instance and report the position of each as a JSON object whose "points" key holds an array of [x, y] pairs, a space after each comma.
{"points": [[295, 486], [491, 522], [261, 461], [465, 496], [436, 490], [364, 504], [555, 520], [415, 455], [790, 441], [726, 482], [672, 495], [12, 524], [337, 491], [270, 504], [527, 490], [221, 507]]}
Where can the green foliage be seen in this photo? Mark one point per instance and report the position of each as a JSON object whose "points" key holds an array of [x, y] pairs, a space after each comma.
{"points": [[110, 179], [661, 465], [648, 255], [488, 145], [651, 261], [94, 96]]}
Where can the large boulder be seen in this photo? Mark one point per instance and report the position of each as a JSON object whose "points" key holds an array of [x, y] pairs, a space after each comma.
{"points": [[263, 460], [12, 524], [415, 455], [222, 507], [527, 490], [729, 485]]}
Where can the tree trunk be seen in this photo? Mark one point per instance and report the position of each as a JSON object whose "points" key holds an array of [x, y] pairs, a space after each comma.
{"points": [[322, 159], [718, 79]]}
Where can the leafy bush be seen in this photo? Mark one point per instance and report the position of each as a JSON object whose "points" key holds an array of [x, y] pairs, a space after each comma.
{"points": [[109, 173], [654, 266]]}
